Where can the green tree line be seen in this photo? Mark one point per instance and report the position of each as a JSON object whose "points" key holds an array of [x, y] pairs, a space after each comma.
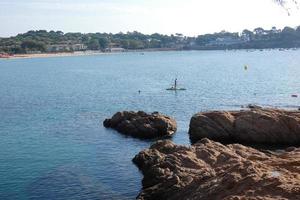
{"points": [[42, 40]]}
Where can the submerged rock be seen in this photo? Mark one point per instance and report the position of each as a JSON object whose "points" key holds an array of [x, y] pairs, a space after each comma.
{"points": [[209, 170], [142, 125], [266, 126]]}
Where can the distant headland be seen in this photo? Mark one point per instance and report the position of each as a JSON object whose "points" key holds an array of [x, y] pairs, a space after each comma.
{"points": [[55, 42]]}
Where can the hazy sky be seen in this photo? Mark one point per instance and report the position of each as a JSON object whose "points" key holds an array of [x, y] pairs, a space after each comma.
{"points": [[190, 17]]}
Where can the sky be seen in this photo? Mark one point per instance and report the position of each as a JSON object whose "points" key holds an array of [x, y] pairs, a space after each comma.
{"points": [[189, 17]]}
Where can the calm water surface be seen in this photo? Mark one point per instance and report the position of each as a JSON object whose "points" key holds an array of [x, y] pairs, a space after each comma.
{"points": [[53, 144]]}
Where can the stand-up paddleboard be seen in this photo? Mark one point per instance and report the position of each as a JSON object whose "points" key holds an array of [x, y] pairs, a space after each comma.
{"points": [[174, 87]]}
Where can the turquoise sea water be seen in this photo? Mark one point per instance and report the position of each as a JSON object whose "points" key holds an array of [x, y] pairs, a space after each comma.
{"points": [[53, 144]]}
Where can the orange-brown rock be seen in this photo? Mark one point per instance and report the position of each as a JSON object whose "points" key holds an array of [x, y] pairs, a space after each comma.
{"points": [[253, 126], [142, 125], [211, 171]]}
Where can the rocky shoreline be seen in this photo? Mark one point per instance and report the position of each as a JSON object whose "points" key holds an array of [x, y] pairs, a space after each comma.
{"points": [[211, 170], [253, 126]]}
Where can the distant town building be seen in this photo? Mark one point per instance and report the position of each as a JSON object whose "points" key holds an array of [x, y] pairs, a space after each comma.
{"points": [[66, 47], [246, 37], [115, 49], [33, 52], [223, 41], [275, 30], [78, 47]]}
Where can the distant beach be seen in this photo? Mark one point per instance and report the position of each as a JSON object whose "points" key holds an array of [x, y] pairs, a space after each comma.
{"points": [[47, 55], [79, 53], [90, 53]]}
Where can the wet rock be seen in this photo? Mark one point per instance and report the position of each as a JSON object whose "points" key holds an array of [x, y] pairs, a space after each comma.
{"points": [[255, 126], [142, 125], [210, 170]]}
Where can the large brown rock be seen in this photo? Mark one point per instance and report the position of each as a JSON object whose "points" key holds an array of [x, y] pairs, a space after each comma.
{"points": [[269, 126], [211, 171], [142, 125]]}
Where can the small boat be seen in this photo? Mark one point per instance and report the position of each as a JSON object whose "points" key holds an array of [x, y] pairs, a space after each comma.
{"points": [[174, 87], [294, 95]]}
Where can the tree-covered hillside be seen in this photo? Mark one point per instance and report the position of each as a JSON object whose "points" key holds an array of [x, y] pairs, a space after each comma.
{"points": [[43, 41], [57, 41]]}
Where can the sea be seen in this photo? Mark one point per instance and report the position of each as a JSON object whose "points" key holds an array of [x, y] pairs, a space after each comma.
{"points": [[52, 141]]}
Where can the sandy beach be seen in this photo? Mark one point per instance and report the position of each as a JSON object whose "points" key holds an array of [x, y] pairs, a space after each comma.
{"points": [[80, 53], [63, 54]]}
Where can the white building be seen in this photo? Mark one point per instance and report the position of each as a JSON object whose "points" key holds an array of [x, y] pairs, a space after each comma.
{"points": [[66, 47]]}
